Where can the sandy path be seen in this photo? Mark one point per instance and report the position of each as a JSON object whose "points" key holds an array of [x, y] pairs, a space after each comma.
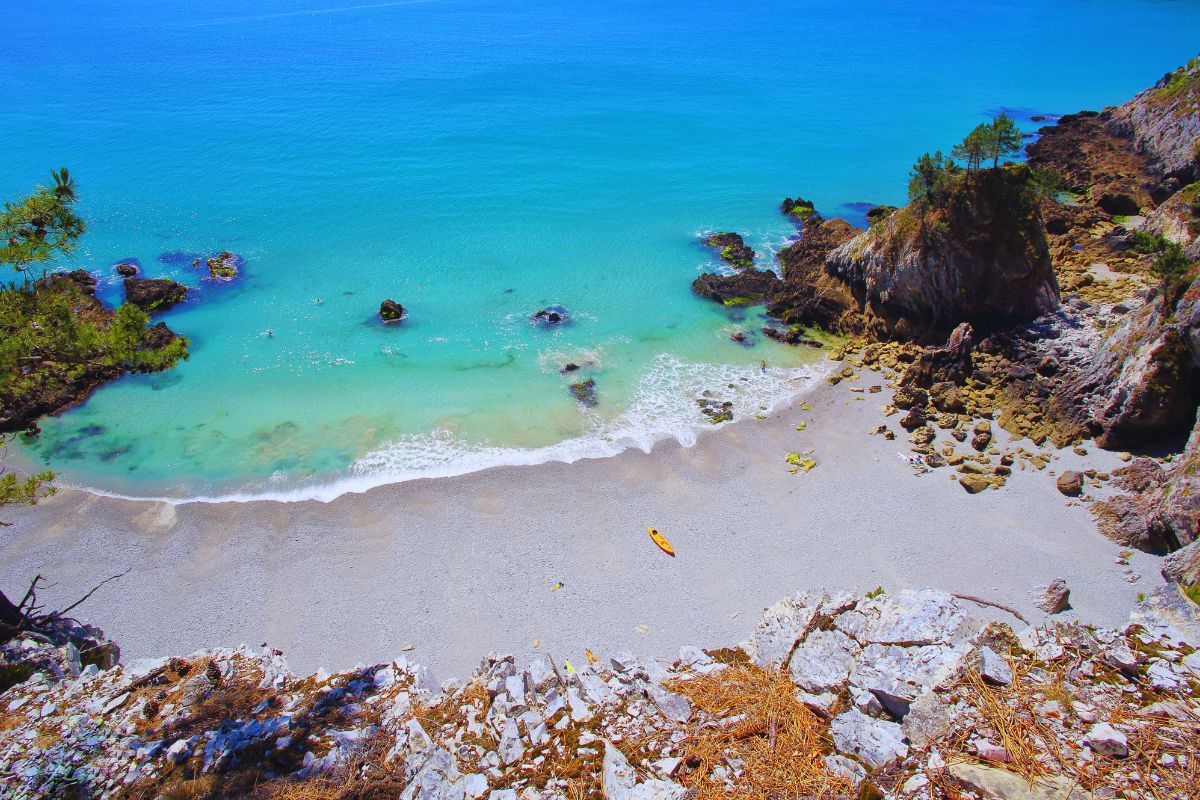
{"points": [[461, 566]]}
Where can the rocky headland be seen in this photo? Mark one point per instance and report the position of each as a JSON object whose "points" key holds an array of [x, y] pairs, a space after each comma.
{"points": [[1075, 332]]}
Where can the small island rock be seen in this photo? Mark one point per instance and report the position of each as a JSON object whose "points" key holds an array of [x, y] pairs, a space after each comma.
{"points": [[154, 294], [551, 315], [391, 311]]}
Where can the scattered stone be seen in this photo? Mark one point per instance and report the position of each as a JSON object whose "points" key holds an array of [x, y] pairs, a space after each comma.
{"points": [[1054, 597], [1070, 483]]}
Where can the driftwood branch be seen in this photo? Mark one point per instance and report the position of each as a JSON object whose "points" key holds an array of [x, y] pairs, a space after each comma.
{"points": [[92, 591], [1000, 606]]}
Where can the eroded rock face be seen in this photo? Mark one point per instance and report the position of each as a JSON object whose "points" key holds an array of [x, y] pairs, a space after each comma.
{"points": [[1144, 383], [809, 295], [1163, 124], [982, 259], [950, 364], [1161, 510], [1092, 159], [154, 294], [1178, 220]]}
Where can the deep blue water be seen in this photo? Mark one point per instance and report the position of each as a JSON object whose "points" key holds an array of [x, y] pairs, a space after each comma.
{"points": [[477, 161]]}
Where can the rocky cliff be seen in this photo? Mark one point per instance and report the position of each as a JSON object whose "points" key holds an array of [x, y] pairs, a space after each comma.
{"points": [[1163, 123], [979, 256]]}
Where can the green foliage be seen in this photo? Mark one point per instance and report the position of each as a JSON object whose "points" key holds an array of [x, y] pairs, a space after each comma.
{"points": [[928, 178], [799, 208], [53, 335], [1049, 181], [1171, 268], [973, 149], [1192, 593], [23, 491], [42, 226], [1147, 243], [876, 592], [990, 141]]}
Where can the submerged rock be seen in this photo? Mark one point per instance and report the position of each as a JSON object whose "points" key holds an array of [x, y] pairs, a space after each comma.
{"points": [[391, 311], [154, 294], [585, 392], [551, 316]]}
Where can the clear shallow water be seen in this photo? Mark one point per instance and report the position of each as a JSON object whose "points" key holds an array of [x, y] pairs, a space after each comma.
{"points": [[477, 161]]}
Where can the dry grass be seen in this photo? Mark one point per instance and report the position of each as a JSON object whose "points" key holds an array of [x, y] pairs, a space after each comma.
{"points": [[779, 742]]}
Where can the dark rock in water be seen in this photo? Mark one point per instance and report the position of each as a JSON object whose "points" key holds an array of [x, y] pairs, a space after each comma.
{"points": [[733, 249], [1119, 205], [83, 279], [1038, 118], [569, 367], [790, 336], [127, 269], [551, 315], [950, 363], [223, 266], [799, 208], [154, 294], [391, 311], [744, 338], [743, 288], [585, 392], [717, 411]]}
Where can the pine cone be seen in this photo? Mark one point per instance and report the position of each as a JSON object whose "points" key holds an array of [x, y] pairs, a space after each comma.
{"points": [[213, 672]]}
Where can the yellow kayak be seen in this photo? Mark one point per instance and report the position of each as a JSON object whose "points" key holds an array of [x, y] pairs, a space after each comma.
{"points": [[662, 542]]}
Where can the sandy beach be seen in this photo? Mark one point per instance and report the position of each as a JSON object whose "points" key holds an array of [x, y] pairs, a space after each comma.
{"points": [[459, 567]]}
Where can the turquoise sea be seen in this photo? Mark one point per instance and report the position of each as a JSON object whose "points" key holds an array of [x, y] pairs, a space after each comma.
{"points": [[476, 161]]}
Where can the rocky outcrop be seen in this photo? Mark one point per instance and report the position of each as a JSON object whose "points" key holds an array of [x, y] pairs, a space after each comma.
{"points": [[732, 248], [742, 288], [1094, 162], [50, 383], [1160, 509], [1164, 126], [808, 294], [950, 364], [391, 311], [1143, 383], [224, 266], [1178, 220], [126, 269], [153, 295], [981, 258]]}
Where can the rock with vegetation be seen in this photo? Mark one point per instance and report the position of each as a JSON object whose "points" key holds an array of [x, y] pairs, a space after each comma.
{"points": [[975, 253], [224, 266], [1163, 122], [1177, 220], [585, 392], [799, 208], [154, 294], [742, 288], [391, 311], [61, 343], [878, 214], [732, 248]]}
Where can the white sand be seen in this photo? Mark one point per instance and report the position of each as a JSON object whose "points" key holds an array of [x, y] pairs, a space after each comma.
{"points": [[462, 566]]}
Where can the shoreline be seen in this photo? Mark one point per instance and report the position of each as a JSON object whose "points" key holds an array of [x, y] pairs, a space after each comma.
{"points": [[463, 565]]}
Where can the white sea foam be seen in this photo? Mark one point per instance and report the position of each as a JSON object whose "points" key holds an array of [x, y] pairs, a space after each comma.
{"points": [[663, 407]]}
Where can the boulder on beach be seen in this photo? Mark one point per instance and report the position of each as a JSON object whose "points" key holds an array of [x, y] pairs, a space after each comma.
{"points": [[391, 311]]}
